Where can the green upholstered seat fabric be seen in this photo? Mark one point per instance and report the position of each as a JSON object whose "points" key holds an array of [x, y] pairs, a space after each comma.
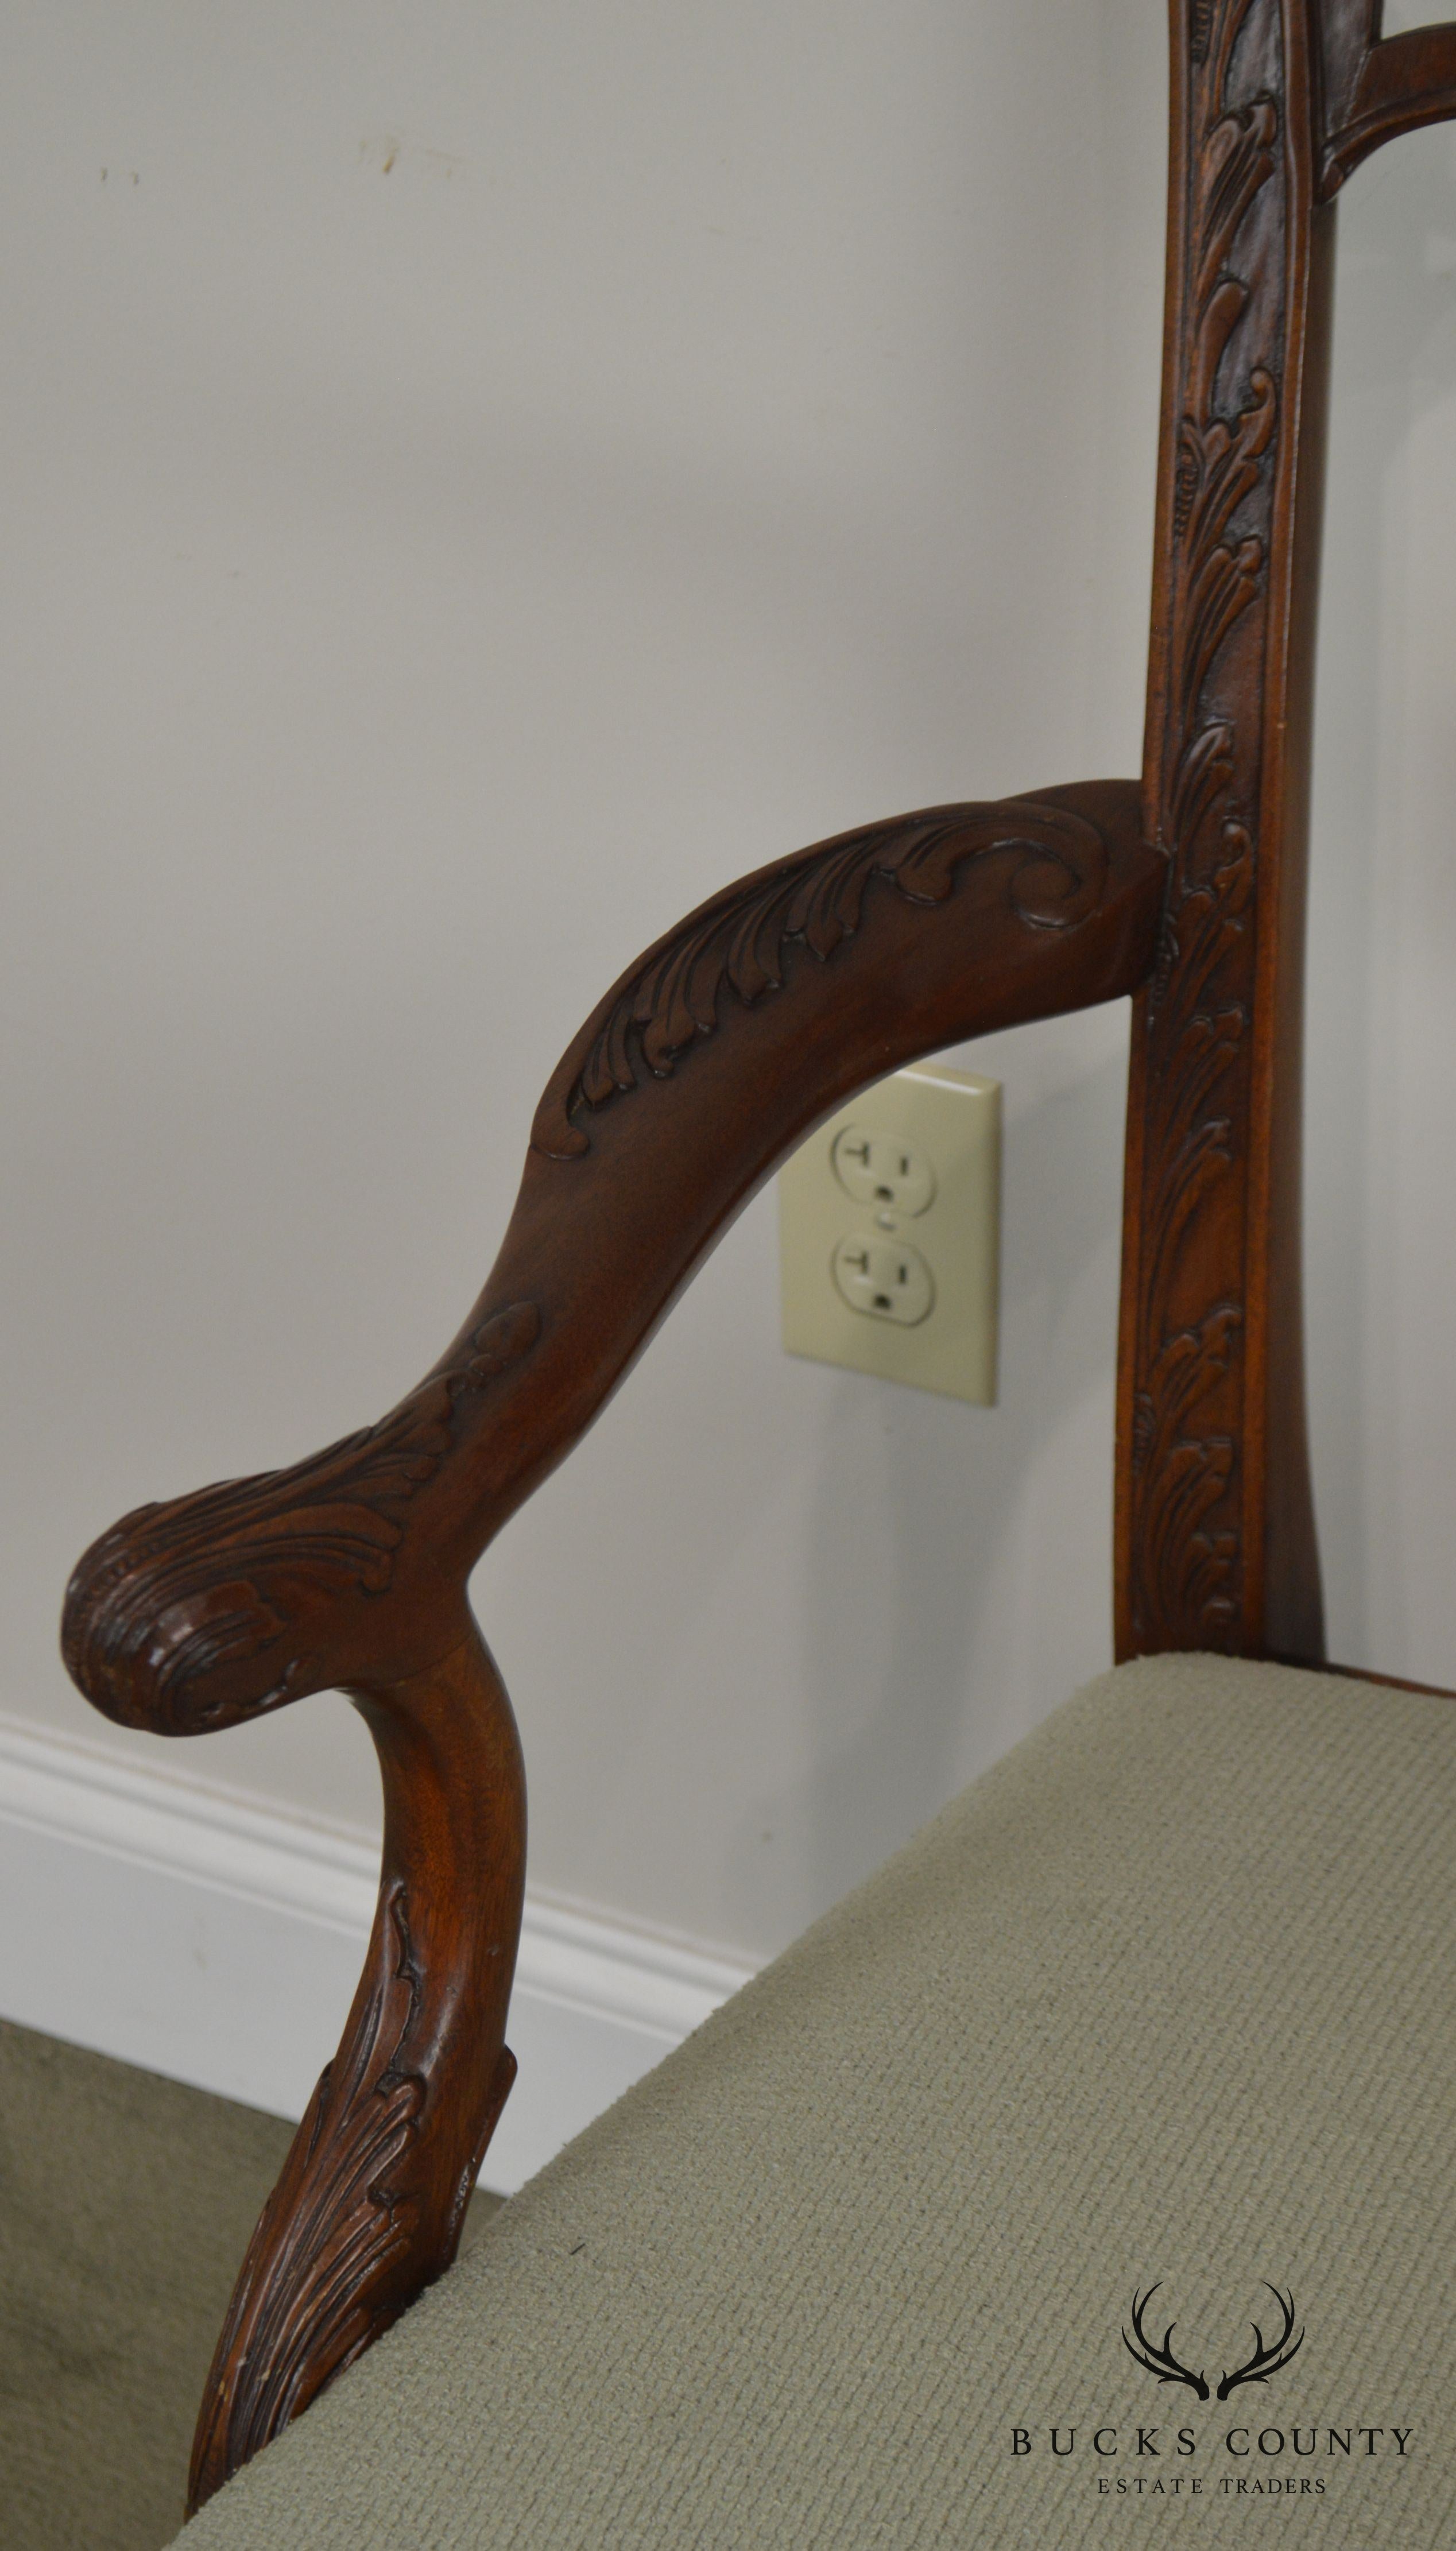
{"points": [[1169, 1996]]}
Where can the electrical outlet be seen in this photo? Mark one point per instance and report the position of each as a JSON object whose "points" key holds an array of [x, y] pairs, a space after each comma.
{"points": [[881, 1170], [890, 1234], [886, 1279]]}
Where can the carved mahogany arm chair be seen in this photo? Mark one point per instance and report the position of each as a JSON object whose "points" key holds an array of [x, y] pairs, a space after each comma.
{"points": [[1166, 1997]]}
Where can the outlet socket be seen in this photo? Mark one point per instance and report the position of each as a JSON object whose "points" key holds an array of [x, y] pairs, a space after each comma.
{"points": [[877, 1170], [886, 1279], [890, 1234]]}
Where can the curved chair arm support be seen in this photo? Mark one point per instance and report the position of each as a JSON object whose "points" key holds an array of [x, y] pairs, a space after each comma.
{"points": [[371, 2197], [703, 1066], [1377, 87]]}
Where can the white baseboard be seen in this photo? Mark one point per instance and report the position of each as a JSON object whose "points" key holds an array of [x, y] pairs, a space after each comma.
{"points": [[155, 1919]]}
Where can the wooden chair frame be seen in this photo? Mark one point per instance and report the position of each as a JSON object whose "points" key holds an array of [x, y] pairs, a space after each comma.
{"points": [[710, 1059]]}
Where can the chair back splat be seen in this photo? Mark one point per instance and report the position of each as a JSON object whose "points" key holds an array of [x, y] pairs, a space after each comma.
{"points": [[704, 1066]]}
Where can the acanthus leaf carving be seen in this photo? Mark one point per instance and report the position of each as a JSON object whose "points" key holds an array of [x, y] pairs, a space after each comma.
{"points": [[743, 945], [1186, 1528], [340, 2210], [1191, 1472]]}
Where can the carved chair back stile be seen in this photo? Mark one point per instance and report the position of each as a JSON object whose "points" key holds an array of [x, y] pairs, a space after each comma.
{"points": [[1215, 1520], [701, 1069]]}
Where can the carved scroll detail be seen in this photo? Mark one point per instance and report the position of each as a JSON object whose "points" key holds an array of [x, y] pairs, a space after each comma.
{"points": [[744, 942], [169, 1614], [1188, 1550]]}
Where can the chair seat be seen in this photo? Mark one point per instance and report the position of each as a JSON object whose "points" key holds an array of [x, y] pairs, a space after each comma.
{"points": [[1169, 1996]]}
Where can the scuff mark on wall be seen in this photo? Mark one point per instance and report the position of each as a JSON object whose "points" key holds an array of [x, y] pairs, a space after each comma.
{"points": [[385, 152]]}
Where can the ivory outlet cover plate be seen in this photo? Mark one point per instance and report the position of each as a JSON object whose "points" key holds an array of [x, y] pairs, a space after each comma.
{"points": [[890, 1234]]}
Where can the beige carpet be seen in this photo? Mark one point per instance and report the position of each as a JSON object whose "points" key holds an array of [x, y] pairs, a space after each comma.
{"points": [[126, 2204]]}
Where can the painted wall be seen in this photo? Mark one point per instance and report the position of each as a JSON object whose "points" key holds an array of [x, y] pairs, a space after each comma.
{"points": [[1380, 1167], [476, 478]]}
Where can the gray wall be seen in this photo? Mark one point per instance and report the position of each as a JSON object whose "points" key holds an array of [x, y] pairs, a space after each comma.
{"points": [[476, 477]]}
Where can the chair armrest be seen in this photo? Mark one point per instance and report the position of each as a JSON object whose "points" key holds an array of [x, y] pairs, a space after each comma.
{"points": [[704, 1065]]}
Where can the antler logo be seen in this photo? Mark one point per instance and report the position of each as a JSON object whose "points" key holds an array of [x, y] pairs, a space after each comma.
{"points": [[1269, 2357], [1155, 2359], [1266, 2360]]}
